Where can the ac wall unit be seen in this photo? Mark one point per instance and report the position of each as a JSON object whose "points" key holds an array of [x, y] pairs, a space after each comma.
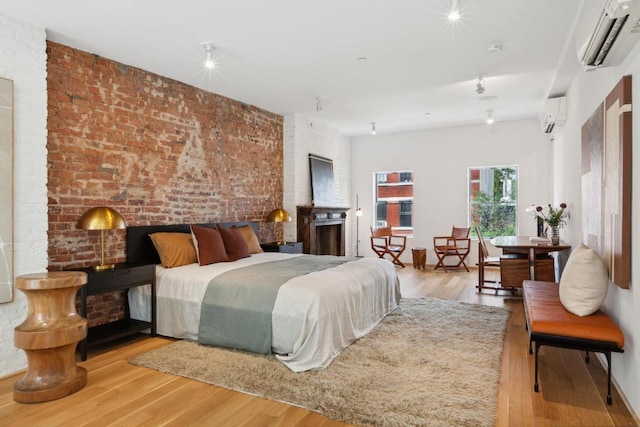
{"points": [[615, 34], [555, 113]]}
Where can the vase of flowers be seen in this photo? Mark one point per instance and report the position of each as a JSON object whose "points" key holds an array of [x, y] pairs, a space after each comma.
{"points": [[555, 218]]}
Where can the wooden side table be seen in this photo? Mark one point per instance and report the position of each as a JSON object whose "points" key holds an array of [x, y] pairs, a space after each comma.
{"points": [[419, 258], [49, 336], [122, 277]]}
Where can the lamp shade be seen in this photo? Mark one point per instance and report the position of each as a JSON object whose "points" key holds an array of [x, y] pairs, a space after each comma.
{"points": [[101, 218], [279, 215]]}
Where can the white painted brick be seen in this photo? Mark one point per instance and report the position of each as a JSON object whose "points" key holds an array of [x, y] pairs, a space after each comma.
{"points": [[303, 136], [23, 60]]}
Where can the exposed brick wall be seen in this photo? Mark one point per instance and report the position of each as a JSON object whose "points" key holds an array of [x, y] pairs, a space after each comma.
{"points": [[156, 150]]}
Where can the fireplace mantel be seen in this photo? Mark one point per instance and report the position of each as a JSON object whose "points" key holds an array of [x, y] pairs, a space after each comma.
{"points": [[321, 229]]}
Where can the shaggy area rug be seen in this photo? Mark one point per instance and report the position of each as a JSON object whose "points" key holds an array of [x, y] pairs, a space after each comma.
{"points": [[430, 362]]}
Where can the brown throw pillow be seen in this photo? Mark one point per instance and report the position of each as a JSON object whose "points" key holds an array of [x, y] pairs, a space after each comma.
{"points": [[174, 249], [251, 239], [234, 243], [210, 245]]}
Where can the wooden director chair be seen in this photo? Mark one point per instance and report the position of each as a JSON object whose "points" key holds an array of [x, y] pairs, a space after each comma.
{"points": [[514, 268], [457, 245], [484, 260], [383, 242]]}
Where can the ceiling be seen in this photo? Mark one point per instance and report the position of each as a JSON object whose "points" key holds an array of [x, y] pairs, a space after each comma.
{"points": [[281, 55]]}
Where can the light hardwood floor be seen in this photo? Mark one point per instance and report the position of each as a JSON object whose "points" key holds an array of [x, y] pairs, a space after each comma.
{"points": [[572, 393]]}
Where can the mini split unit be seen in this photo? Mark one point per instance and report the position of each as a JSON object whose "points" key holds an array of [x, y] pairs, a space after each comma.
{"points": [[555, 113], [615, 34]]}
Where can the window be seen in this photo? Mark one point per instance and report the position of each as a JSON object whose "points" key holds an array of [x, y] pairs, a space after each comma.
{"points": [[493, 195], [394, 201], [405, 214], [381, 214]]}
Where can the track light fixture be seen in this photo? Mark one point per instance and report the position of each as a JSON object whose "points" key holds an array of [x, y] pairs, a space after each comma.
{"points": [[318, 104], [480, 84], [373, 128], [209, 59], [490, 119], [455, 12]]}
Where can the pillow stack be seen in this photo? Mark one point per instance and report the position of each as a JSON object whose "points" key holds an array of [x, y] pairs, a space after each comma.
{"points": [[584, 282], [205, 245]]}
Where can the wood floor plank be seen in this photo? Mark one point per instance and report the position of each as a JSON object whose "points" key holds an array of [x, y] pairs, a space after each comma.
{"points": [[572, 392]]}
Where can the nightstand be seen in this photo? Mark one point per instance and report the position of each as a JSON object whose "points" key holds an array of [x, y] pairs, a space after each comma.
{"points": [[287, 247], [122, 277]]}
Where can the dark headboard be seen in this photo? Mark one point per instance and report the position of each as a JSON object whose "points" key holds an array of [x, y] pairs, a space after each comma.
{"points": [[140, 249]]}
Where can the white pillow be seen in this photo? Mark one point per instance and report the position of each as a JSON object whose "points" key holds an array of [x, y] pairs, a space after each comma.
{"points": [[584, 282]]}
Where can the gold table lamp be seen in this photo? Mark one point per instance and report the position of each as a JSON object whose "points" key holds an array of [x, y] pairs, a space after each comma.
{"points": [[102, 218], [279, 215]]}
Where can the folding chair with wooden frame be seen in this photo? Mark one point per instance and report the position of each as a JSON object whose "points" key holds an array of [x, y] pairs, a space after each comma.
{"points": [[383, 242], [457, 245], [484, 260]]}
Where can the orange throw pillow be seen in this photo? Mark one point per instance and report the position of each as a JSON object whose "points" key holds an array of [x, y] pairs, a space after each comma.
{"points": [[234, 243], [251, 239], [210, 245], [174, 249]]}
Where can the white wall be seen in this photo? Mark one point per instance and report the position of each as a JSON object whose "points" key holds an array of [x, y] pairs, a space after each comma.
{"points": [[439, 160], [23, 60], [303, 136], [587, 91]]}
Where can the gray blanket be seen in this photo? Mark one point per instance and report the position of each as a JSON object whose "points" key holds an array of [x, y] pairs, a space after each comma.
{"points": [[237, 306]]}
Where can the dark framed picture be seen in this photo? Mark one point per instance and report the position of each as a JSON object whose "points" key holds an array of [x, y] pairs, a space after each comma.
{"points": [[322, 191]]}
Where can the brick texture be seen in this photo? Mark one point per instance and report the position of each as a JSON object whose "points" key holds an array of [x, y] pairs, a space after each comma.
{"points": [[156, 150]]}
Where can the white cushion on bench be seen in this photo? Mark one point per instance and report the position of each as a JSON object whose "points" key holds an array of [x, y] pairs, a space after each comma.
{"points": [[584, 282]]}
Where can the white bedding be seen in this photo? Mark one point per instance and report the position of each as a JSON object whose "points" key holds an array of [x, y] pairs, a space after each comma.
{"points": [[315, 316]]}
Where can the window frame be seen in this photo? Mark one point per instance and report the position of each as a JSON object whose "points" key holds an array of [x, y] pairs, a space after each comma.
{"points": [[514, 201]]}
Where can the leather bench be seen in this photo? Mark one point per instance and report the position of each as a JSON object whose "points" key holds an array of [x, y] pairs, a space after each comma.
{"points": [[549, 323]]}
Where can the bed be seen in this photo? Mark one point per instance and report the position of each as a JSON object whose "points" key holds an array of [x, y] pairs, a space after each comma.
{"points": [[314, 316]]}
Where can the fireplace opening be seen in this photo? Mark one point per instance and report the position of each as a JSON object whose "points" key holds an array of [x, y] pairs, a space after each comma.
{"points": [[328, 239]]}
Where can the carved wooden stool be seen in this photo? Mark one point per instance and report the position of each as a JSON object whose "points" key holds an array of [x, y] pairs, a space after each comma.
{"points": [[49, 336], [419, 258]]}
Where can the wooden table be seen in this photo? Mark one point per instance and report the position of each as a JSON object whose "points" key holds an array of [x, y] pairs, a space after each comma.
{"points": [[524, 245]]}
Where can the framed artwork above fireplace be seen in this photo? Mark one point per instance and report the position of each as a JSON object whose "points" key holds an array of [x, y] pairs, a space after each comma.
{"points": [[322, 188]]}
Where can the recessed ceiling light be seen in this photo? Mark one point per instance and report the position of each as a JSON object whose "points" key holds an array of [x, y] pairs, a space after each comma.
{"points": [[426, 114], [487, 98], [361, 59]]}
